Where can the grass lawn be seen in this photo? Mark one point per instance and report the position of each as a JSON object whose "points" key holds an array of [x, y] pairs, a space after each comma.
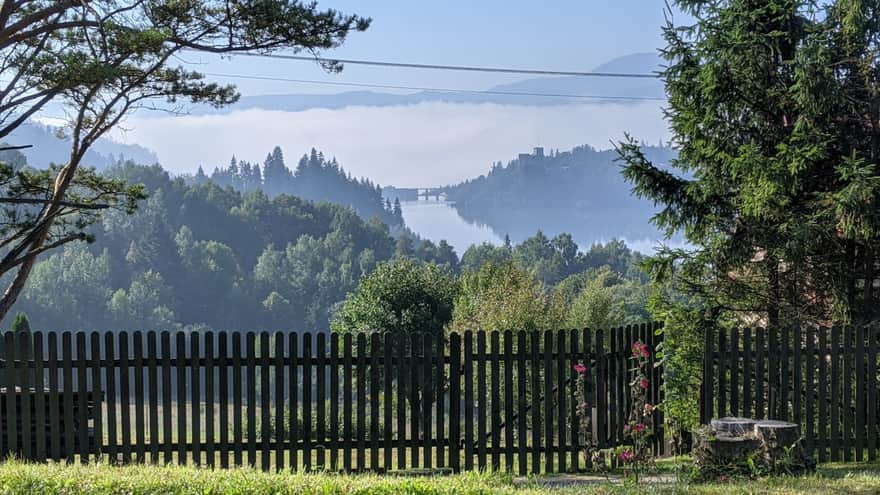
{"points": [[18, 478]]}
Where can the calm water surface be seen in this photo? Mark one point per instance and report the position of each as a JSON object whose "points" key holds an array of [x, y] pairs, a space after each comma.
{"points": [[437, 220]]}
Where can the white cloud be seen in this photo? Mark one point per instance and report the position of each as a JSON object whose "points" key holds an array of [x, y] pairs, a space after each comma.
{"points": [[415, 145]]}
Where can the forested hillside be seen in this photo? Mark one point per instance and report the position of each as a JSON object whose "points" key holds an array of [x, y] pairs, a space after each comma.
{"points": [[200, 254], [556, 190], [315, 178]]}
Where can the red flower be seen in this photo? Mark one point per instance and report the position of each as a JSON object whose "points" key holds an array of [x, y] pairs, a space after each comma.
{"points": [[625, 455], [722, 478], [640, 427], [644, 383], [626, 429], [649, 408], [640, 349], [580, 368]]}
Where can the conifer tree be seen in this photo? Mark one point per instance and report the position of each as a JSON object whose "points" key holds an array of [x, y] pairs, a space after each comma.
{"points": [[773, 109]]}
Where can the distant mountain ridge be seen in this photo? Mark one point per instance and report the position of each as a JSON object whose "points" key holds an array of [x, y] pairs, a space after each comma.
{"points": [[568, 85], [47, 148]]}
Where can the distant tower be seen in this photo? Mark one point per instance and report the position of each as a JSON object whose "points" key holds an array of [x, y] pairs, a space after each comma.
{"points": [[539, 152]]}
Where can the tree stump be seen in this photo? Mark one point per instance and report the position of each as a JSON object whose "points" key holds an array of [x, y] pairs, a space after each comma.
{"points": [[781, 446], [734, 427], [781, 433], [747, 447]]}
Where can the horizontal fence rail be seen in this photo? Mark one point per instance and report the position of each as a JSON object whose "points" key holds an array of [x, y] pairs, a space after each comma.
{"points": [[317, 401], [825, 379]]}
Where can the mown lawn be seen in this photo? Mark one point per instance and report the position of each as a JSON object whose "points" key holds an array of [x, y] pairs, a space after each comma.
{"points": [[17, 478]]}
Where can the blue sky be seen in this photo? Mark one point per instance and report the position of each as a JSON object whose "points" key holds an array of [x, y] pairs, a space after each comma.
{"points": [[554, 34], [430, 143]]}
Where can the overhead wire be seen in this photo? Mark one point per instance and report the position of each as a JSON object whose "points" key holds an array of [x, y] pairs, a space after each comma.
{"points": [[467, 68], [435, 89]]}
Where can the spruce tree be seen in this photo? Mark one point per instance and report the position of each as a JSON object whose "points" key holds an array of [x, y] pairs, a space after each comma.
{"points": [[773, 109]]}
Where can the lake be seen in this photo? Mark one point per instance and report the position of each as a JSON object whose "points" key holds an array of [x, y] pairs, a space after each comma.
{"points": [[439, 220]]}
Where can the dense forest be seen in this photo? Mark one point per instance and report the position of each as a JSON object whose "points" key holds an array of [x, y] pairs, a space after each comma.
{"points": [[199, 255], [315, 178], [556, 190]]}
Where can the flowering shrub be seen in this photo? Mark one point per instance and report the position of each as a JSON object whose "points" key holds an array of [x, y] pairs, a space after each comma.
{"points": [[589, 447], [637, 456]]}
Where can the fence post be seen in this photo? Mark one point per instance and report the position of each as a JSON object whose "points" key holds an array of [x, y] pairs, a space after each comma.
{"points": [[454, 401], [708, 380]]}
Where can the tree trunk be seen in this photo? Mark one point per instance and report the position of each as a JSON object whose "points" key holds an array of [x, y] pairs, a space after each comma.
{"points": [[62, 182]]}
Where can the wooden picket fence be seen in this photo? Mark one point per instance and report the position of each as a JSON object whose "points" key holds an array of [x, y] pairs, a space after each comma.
{"points": [[481, 400], [825, 379]]}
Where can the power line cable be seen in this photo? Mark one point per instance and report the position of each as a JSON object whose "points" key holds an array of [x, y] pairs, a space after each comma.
{"points": [[467, 68], [437, 90]]}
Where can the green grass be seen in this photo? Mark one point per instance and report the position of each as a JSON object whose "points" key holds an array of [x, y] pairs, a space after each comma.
{"points": [[18, 478]]}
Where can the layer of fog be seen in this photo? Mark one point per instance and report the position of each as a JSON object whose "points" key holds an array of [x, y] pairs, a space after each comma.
{"points": [[414, 145]]}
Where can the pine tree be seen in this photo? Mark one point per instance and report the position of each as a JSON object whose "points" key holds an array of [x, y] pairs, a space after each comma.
{"points": [[398, 210]]}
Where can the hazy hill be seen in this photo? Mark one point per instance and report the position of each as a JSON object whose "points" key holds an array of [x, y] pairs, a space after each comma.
{"points": [[596, 86], [49, 148], [579, 191]]}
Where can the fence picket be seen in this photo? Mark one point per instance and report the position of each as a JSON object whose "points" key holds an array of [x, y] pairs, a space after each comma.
{"points": [[223, 396], [180, 396], [307, 402], [575, 402], [387, 400], [482, 398], [561, 372], [375, 345], [440, 398], [846, 404], [859, 427], [468, 400], [40, 421], [346, 403], [11, 412], [401, 375], [153, 399], [237, 427], [293, 401], [809, 388], [835, 393], [334, 402], [495, 370], [823, 395], [22, 343], [320, 399], [195, 399], [361, 402], [68, 424], [426, 398], [265, 403], [454, 401], [521, 384], [414, 417], [872, 392], [138, 371], [210, 397], [508, 401], [536, 405], [548, 402], [166, 396], [54, 409]]}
